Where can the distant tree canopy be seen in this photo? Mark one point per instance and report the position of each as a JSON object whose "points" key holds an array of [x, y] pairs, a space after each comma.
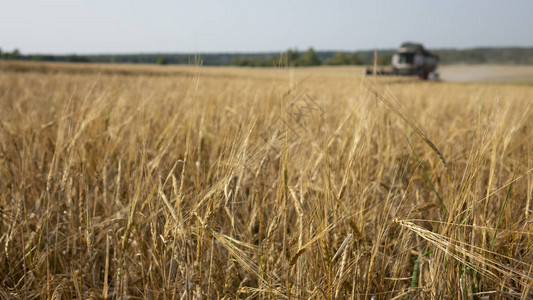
{"points": [[15, 54], [256, 62], [291, 57], [309, 58], [161, 61], [341, 58], [76, 58]]}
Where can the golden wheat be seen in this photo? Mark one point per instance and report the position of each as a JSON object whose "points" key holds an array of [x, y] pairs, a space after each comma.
{"points": [[195, 182]]}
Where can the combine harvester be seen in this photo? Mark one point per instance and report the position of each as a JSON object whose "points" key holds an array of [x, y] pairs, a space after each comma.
{"points": [[411, 59]]}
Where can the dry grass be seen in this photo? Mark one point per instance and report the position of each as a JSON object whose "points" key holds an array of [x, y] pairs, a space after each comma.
{"points": [[186, 182]]}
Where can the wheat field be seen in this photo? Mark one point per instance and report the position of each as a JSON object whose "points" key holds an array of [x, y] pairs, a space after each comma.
{"points": [[146, 182]]}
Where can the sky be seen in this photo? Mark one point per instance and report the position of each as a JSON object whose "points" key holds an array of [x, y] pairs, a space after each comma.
{"points": [[187, 26]]}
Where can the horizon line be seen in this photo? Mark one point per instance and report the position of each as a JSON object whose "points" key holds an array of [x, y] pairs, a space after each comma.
{"points": [[255, 52]]}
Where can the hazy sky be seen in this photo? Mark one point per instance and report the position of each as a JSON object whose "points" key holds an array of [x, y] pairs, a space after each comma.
{"points": [[130, 26]]}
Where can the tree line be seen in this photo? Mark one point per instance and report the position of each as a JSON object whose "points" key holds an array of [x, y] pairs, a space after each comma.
{"points": [[291, 57]]}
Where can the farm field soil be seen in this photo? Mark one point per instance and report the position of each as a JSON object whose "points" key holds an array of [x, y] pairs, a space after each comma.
{"points": [[203, 182]]}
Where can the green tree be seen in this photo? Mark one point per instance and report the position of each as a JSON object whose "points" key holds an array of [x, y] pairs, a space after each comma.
{"points": [[290, 57], [240, 62], [341, 58], [338, 59], [77, 58], [16, 54], [161, 61], [309, 58], [354, 59]]}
